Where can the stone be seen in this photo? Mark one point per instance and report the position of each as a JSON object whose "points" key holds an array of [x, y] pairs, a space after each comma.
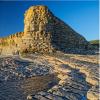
{"points": [[29, 97]]}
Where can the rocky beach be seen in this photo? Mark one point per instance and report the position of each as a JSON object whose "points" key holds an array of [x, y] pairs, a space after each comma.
{"points": [[49, 77]]}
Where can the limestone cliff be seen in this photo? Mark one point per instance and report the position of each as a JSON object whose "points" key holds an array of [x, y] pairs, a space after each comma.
{"points": [[44, 33]]}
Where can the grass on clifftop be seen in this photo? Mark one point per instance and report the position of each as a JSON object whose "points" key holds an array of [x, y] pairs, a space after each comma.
{"points": [[94, 42]]}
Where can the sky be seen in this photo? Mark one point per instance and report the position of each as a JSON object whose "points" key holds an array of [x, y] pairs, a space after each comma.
{"points": [[82, 16]]}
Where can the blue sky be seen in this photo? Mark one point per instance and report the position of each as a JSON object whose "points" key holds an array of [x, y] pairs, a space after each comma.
{"points": [[82, 16]]}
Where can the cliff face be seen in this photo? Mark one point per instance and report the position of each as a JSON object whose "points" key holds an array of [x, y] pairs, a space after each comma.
{"points": [[45, 33], [11, 44]]}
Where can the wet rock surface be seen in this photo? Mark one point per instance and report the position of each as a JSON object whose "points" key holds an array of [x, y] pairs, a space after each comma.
{"points": [[49, 77]]}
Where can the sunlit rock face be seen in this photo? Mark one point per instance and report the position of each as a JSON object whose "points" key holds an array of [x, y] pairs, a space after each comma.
{"points": [[39, 27], [45, 33], [50, 33], [11, 44]]}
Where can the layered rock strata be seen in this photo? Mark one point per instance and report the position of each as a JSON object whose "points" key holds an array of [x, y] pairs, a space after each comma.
{"points": [[44, 33]]}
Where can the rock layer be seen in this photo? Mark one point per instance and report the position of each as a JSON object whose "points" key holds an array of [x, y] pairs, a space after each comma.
{"points": [[44, 33]]}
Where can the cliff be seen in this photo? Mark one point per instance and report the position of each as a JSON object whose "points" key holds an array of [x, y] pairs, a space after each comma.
{"points": [[43, 33]]}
